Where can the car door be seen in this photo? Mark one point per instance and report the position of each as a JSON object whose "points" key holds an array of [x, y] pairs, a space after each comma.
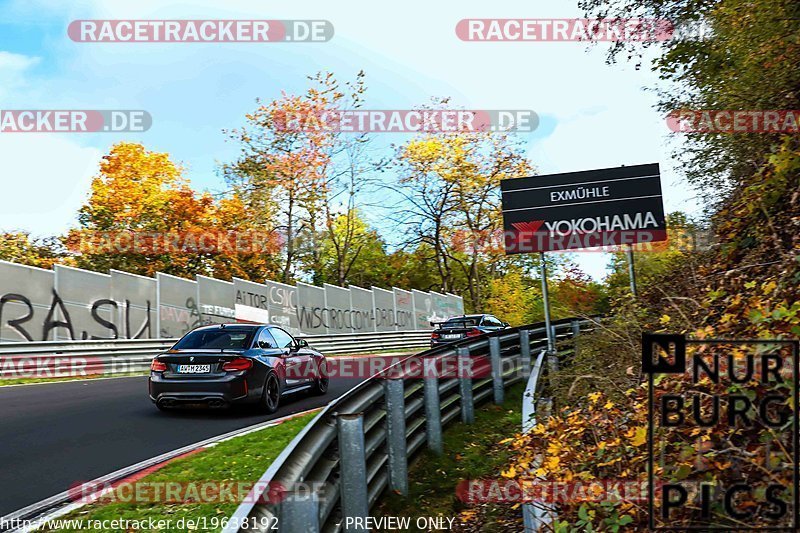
{"points": [[267, 347], [298, 370]]}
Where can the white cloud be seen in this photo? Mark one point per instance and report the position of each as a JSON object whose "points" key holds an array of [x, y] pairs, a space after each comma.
{"points": [[44, 181], [44, 177], [13, 68], [10, 62]]}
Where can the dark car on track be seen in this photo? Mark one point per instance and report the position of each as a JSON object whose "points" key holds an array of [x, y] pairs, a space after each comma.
{"points": [[459, 327], [228, 364]]}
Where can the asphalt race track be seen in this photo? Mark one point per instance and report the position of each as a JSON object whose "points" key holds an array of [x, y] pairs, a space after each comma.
{"points": [[57, 434]]}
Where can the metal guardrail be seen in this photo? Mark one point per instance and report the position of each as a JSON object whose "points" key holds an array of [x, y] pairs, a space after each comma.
{"points": [[108, 357], [536, 515], [358, 447]]}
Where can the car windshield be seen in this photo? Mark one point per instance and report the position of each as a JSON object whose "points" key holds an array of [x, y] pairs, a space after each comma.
{"points": [[216, 339], [463, 322]]}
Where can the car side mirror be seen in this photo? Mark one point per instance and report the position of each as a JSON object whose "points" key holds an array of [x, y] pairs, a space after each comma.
{"points": [[506, 324], [302, 343]]}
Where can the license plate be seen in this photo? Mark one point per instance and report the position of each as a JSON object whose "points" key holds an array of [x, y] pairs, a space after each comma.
{"points": [[451, 336], [194, 369]]}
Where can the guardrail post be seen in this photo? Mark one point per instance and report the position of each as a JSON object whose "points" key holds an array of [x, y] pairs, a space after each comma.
{"points": [[544, 408], [353, 468], [525, 352], [465, 385], [497, 370], [552, 368], [552, 361], [299, 511], [433, 413], [576, 332], [396, 434]]}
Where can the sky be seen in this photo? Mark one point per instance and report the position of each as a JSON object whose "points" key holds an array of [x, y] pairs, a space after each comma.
{"points": [[593, 115]]}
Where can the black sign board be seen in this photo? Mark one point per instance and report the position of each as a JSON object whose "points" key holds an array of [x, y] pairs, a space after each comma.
{"points": [[590, 209]]}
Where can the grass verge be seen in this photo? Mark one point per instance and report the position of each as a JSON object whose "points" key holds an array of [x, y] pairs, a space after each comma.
{"points": [[29, 381], [470, 452], [241, 459]]}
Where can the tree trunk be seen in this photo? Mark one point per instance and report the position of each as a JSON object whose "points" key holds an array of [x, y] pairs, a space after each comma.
{"points": [[287, 270]]}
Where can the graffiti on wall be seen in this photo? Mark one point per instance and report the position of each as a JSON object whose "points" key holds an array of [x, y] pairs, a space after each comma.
{"points": [[186, 318], [59, 320], [72, 304]]}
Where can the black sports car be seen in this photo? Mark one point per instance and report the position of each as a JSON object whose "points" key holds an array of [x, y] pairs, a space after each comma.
{"points": [[458, 327], [236, 363]]}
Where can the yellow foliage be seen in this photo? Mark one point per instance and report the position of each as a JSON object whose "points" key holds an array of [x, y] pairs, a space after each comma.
{"points": [[143, 195]]}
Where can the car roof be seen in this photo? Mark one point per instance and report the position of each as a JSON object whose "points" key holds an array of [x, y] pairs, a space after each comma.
{"points": [[468, 316], [234, 325]]}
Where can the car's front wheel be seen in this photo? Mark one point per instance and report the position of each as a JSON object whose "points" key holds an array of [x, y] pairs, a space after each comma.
{"points": [[271, 397]]}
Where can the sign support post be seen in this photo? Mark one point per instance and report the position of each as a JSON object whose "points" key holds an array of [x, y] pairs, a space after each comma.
{"points": [[573, 211], [552, 357], [551, 342], [631, 270]]}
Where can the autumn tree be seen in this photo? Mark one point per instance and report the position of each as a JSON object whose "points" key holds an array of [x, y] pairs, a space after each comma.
{"points": [[409, 268], [347, 235], [726, 55], [450, 189], [305, 168], [351, 249], [483, 162], [21, 248], [514, 299], [143, 217], [427, 204], [574, 293], [654, 264]]}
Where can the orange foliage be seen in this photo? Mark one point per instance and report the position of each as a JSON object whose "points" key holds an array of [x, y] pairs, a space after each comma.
{"points": [[143, 217]]}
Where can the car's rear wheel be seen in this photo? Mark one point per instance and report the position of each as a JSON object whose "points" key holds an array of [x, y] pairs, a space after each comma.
{"points": [[271, 397], [322, 381]]}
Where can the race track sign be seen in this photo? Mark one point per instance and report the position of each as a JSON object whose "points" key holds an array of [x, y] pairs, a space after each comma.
{"points": [[577, 210]]}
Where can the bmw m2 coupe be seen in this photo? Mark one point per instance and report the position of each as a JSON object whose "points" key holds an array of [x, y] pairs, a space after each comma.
{"points": [[221, 365], [458, 327]]}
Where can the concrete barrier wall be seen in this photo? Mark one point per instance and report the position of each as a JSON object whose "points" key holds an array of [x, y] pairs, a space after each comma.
{"points": [[73, 304], [176, 310]]}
